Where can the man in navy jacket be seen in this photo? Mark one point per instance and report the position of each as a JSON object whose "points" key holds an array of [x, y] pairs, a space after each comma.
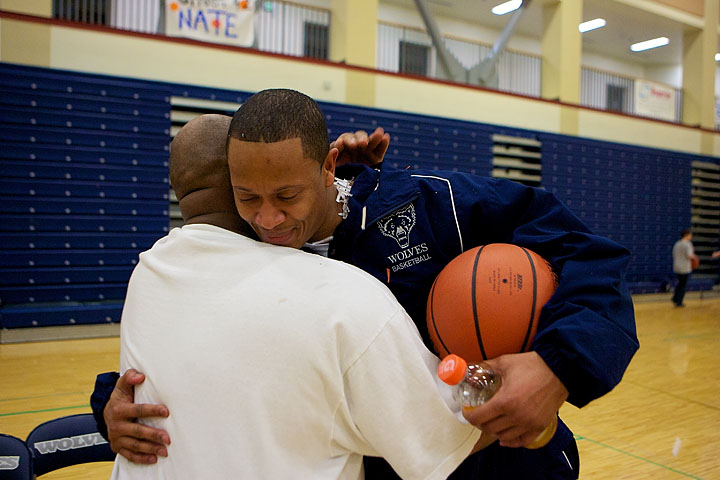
{"points": [[404, 226]]}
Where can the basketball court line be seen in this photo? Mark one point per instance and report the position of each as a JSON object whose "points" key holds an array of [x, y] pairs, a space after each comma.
{"points": [[48, 395], [44, 410], [674, 395], [632, 455], [694, 336]]}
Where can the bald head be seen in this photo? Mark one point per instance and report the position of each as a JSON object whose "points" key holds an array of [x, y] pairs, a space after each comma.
{"points": [[199, 174], [197, 152]]}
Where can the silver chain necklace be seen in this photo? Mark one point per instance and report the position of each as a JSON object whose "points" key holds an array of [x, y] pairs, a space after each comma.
{"points": [[343, 187]]}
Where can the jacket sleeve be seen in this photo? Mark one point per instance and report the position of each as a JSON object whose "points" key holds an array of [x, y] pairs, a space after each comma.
{"points": [[104, 385], [586, 333]]}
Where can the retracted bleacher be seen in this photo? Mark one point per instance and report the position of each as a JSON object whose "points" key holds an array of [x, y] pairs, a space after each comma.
{"points": [[420, 141], [638, 196], [83, 189]]}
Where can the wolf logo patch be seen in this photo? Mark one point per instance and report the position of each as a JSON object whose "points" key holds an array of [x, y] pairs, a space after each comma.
{"points": [[398, 225]]}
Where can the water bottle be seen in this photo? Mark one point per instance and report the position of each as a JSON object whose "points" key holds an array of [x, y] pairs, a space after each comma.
{"points": [[476, 384]]}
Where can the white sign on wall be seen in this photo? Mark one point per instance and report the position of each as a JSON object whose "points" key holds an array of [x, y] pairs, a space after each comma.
{"points": [[218, 21], [654, 100]]}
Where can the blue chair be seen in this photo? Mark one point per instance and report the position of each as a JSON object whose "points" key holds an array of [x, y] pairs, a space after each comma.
{"points": [[15, 459], [67, 441]]}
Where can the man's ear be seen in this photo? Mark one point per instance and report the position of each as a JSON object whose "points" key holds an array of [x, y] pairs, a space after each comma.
{"points": [[329, 167]]}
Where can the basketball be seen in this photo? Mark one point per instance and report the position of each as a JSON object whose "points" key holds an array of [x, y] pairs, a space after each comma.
{"points": [[694, 262], [487, 301]]}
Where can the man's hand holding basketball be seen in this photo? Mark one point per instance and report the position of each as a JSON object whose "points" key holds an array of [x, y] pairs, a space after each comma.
{"points": [[359, 147], [137, 442], [525, 404]]}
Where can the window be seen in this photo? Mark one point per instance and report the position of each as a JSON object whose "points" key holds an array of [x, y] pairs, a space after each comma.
{"points": [[615, 98], [316, 40], [413, 58], [87, 11]]}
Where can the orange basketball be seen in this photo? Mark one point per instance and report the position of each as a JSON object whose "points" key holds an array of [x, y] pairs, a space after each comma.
{"points": [[487, 301]]}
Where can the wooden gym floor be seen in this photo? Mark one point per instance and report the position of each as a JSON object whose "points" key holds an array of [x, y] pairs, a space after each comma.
{"points": [[661, 422]]}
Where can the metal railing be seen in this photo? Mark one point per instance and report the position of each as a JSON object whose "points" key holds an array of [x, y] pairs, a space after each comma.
{"points": [[133, 15], [280, 26], [613, 92], [518, 73], [88, 11], [290, 28]]}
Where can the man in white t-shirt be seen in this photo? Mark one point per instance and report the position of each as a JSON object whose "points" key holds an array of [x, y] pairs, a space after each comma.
{"points": [[683, 254], [271, 360]]}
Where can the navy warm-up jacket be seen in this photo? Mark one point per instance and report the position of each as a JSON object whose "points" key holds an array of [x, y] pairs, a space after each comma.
{"points": [[405, 226]]}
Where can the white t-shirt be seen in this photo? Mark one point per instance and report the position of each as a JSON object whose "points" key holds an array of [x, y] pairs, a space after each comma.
{"points": [[682, 252], [280, 364]]}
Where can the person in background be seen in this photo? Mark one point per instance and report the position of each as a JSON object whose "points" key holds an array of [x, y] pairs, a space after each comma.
{"points": [[683, 255]]}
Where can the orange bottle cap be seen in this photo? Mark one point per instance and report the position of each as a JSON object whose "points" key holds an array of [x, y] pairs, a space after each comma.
{"points": [[452, 369]]}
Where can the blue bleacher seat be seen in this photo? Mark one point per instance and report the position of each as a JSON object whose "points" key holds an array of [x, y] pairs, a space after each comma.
{"points": [[76, 240], [83, 223], [83, 120], [60, 314], [84, 188], [81, 155], [31, 78], [26, 276], [68, 257], [15, 459], [90, 138], [74, 171], [61, 293], [67, 441], [82, 103], [79, 188], [88, 206]]}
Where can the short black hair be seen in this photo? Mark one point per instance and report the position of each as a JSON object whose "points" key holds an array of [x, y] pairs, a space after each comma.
{"points": [[280, 114], [685, 231]]}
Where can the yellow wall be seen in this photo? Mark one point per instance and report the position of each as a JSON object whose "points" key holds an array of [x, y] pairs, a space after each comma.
{"points": [[694, 7], [432, 98], [41, 8], [636, 131], [24, 42], [114, 53], [165, 60]]}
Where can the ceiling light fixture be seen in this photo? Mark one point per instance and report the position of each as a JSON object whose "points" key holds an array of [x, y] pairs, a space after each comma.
{"points": [[506, 7], [648, 44], [592, 25], [717, 57]]}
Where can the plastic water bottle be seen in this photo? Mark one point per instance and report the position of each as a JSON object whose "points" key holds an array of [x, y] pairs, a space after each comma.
{"points": [[476, 384]]}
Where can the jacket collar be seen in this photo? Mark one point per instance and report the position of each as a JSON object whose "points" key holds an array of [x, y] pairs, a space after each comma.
{"points": [[378, 192]]}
